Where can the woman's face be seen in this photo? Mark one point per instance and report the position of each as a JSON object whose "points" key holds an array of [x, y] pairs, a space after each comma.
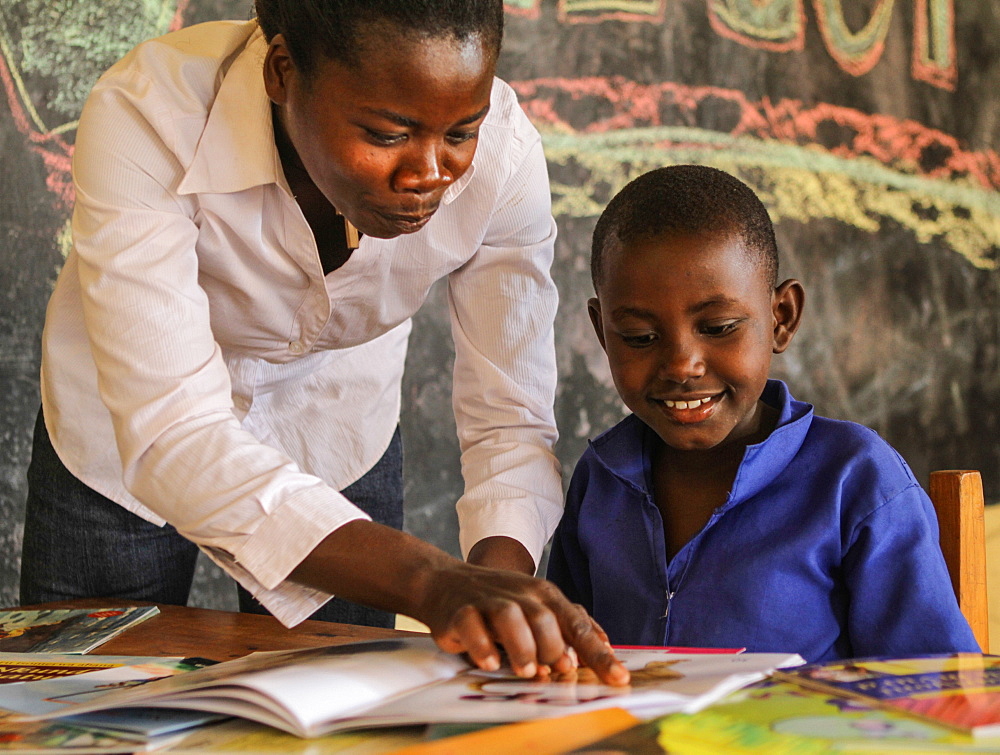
{"points": [[383, 140]]}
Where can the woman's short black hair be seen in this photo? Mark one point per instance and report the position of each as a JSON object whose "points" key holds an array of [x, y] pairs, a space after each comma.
{"points": [[686, 199], [334, 28]]}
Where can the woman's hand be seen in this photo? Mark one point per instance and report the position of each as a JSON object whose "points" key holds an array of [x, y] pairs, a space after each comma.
{"points": [[476, 610], [469, 608]]}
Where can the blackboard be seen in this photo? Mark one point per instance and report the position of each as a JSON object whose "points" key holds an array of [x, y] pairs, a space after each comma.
{"points": [[868, 127]]}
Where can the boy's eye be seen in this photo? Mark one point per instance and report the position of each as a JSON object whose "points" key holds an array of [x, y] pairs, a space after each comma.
{"points": [[720, 329], [638, 340]]}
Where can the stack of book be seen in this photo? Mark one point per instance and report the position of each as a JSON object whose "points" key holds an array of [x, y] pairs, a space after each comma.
{"points": [[126, 704]]}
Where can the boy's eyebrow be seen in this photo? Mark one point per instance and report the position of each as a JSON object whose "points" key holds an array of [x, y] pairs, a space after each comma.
{"points": [[630, 312], [715, 301], [407, 122]]}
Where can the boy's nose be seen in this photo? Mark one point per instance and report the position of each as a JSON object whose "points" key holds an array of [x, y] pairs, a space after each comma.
{"points": [[681, 363]]}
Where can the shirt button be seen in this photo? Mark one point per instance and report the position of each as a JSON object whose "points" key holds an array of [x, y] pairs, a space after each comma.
{"points": [[242, 403], [296, 347]]}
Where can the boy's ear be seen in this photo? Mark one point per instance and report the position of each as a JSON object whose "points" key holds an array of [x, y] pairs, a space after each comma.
{"points": [[594, 310], [786, 306]]}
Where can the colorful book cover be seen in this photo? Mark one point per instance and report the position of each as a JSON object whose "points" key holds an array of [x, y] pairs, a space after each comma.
{"points": [[778, 717], [29, 668], [238, 735], [59, 736], [960, 690], [549, 736], [682, 649], [39, 684], [66, 630]]}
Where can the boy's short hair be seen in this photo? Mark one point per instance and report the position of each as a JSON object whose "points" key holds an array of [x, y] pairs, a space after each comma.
{"points": [[686, 199]]}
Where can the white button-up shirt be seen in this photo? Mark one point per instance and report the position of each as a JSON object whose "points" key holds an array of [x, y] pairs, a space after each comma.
{"points": [[199, 368]]}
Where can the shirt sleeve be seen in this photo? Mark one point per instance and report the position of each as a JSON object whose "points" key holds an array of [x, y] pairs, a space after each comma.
{"points": [[901, 599], [503, 304], [161, 373]]}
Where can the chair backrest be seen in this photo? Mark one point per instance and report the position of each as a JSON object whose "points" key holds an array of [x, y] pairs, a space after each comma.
{"points": [[957, 496]]}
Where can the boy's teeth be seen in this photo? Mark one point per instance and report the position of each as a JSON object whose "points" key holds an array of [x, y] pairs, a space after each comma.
{"points": [[687, 404]]}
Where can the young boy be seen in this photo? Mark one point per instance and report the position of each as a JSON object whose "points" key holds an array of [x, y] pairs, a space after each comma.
{"points": [[722, 512]]}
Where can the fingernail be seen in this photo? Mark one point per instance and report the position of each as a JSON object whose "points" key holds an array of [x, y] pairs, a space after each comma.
{"points": [[621, 674], [490, 663], [528, 670], [571, 654]]}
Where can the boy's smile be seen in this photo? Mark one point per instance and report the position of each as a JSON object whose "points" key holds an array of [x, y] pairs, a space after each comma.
{"points": [[689, 323]]}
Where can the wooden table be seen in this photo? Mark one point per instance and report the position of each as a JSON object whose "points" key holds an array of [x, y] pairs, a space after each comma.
{"points": [[219, 635]]}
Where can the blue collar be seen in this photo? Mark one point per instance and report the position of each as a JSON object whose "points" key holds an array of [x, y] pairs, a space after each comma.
{"points": [[624, 449]]}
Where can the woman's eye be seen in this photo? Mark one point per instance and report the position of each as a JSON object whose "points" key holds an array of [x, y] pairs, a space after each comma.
{"points": [[460, 137], [382, 137]]}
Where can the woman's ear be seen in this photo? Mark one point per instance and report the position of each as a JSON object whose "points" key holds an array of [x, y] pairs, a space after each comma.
{"points": [[277, 67], [786, 307], [594, 310]]}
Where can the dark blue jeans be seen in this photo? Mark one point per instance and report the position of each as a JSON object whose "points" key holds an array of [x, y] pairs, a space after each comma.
{"points": [[79, 544]]}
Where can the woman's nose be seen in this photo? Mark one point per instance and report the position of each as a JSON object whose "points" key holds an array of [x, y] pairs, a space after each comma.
{"points": [[423, 170]]}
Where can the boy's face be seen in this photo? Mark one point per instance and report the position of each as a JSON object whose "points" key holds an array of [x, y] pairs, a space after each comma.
{"points": [[689, 324]]}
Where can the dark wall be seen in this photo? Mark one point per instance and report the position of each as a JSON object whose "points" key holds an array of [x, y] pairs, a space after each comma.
{"points": [[868, 127]]}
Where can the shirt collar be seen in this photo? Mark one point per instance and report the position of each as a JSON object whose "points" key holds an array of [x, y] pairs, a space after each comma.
{"points": [[624, 449], [236, 150]]}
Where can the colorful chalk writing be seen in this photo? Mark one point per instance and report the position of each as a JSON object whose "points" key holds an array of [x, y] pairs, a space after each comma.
{"points": [[66, 45], [594, 11], [779, 26], [880, 168], [775, 25], [934, 43], [856, 52]]}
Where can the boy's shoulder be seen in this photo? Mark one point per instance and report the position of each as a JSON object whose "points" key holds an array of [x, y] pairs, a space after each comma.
{"points": [[852, 437], [822, 451], [857, 455]]}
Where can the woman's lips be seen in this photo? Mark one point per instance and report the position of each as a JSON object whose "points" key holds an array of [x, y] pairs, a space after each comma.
{"points": [[407, 223]]}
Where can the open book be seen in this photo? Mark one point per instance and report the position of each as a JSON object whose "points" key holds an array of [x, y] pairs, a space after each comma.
{"points": [[409, 681]]}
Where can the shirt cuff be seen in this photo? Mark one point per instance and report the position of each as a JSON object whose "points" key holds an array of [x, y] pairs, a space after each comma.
{"points": [[282, 541], [519, 518]]}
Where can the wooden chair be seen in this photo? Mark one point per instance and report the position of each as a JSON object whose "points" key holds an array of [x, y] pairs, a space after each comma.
{"points": [[957, 496]]}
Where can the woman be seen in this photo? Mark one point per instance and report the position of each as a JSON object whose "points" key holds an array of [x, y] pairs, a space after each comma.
{"points": [[218, 356]]}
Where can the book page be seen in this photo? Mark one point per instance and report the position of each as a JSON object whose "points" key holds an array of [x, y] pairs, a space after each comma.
{"points": [[662, 682]]}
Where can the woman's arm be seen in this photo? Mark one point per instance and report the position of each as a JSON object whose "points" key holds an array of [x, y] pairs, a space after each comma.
{"points": [[503, 305], [468, 608]]}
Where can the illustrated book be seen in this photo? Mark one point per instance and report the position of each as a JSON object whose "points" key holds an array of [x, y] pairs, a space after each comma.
{"points": [[778, 717], [410, 681], [66, 630], [959, 690], [44, 685]]}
